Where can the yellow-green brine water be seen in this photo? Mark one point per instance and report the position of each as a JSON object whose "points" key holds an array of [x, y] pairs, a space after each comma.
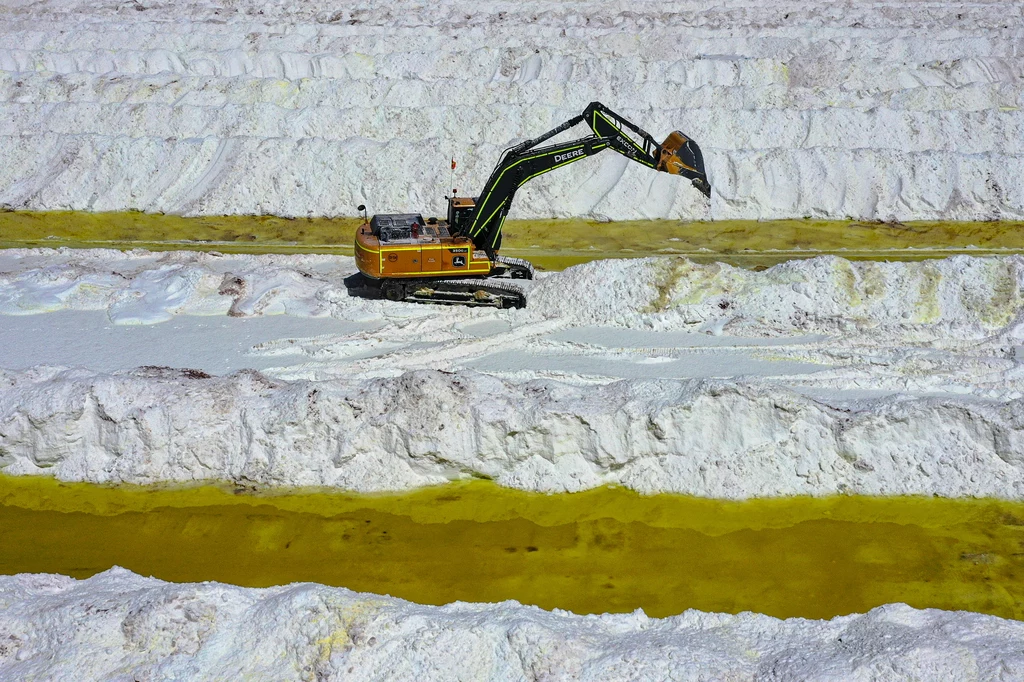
{"points": [[604, 550], [549, 244]]}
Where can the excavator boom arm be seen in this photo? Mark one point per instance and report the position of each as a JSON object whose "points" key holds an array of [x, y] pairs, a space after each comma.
{"points": [[678, 155], [516, 169], [606, 123]]}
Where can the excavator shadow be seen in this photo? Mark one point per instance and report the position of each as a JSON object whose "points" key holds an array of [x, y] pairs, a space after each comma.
{"points": [[359, 287]]}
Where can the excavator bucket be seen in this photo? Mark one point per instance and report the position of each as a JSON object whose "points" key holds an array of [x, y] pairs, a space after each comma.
{"points": [[679, 155]]}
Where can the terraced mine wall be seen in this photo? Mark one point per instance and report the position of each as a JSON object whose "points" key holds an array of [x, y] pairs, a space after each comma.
{"points": [[887, 110]]}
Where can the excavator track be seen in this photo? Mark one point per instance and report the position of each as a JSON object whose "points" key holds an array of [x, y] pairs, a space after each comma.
{"points": [[515, 268], [470, 292]]}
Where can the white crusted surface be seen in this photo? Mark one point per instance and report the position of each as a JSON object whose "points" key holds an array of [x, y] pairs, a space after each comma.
{"points": [[905, 110], [957, 298], [118, 625], [814, 377]]}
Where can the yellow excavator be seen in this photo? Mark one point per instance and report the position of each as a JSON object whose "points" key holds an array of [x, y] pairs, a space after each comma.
{"points": [[457, 261]]}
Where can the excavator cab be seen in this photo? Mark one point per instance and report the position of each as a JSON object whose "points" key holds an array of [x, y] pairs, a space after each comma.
{"points": [[460, 214]]}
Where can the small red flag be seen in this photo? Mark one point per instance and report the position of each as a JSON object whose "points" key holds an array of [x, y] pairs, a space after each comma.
{"points": [[453, 163]]}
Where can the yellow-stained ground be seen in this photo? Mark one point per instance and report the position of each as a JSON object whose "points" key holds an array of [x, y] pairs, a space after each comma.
{"points": [[549, 244], [603, 550]]}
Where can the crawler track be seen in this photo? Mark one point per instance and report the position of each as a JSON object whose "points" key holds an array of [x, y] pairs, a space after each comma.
{"points": [[516, 268], [471, 292]]}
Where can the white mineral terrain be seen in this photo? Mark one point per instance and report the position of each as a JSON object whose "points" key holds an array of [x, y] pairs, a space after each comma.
{"points": [[120, 626], [817, 377], [813, 377], [900, 109]]}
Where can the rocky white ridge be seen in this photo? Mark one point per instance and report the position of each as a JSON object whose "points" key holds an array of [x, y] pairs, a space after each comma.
{"points": [[706, 438], [892, 110], [118, 625]]}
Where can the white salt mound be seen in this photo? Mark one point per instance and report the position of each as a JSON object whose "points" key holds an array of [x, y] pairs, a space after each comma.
{"points": [[957, 298], [118, 625], [909, 110]]}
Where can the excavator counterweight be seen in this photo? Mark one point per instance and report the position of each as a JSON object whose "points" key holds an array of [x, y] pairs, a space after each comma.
{"points": [[456, 261]]}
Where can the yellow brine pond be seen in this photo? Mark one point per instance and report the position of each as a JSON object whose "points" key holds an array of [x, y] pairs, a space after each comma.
{"points": [[549, 244], [603, 550]]}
